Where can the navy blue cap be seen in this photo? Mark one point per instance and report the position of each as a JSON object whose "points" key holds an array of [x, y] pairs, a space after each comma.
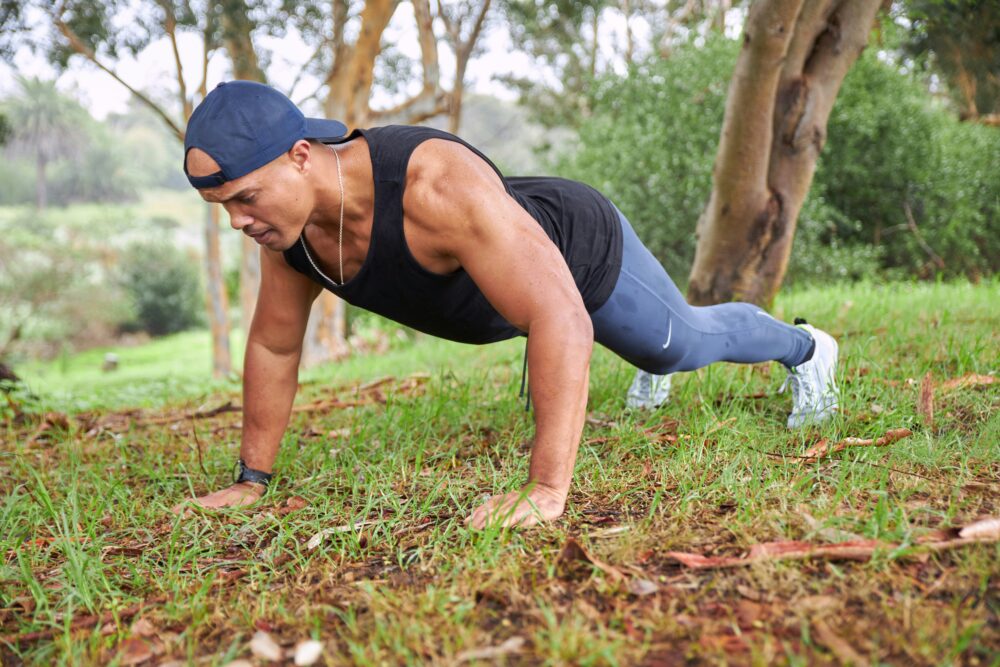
{"points": [[243, 125]]}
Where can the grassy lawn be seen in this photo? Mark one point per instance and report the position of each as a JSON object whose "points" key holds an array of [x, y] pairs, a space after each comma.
{"points": [[96, 570]]}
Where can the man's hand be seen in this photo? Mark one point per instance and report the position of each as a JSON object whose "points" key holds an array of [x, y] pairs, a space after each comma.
{"points": [[237, 495], [532, 505]]}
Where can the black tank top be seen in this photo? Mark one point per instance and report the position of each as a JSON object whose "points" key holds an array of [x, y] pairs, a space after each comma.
{"points": [[580, 221]]}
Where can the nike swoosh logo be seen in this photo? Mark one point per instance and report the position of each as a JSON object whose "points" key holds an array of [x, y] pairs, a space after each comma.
{"points": [[670, 333]]}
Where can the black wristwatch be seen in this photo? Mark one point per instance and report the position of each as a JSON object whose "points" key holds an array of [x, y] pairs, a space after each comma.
{"points": [[253, 476]]}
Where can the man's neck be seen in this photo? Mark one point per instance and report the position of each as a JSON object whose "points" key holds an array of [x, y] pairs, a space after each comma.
{"points": [[359, 185]]}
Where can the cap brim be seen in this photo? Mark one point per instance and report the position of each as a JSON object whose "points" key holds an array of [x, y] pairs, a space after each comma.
{"points": [[322, 129]]}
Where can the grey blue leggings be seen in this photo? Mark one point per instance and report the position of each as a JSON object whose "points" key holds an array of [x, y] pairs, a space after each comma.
{"points": [[647, 322]]}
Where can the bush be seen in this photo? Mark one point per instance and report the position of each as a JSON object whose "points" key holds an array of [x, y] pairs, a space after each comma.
{"points": [[650, 145], [54, 289], [163, 285], [893, 155]]}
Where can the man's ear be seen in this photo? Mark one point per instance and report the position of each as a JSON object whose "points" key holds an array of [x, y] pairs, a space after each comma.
{"points": [[301, 154]]}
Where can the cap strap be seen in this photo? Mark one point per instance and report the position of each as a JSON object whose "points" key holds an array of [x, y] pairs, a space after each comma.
{"points": [[210, 181]]}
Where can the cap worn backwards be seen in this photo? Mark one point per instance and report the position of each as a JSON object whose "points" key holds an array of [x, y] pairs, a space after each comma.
{"points": [[243, 125]]}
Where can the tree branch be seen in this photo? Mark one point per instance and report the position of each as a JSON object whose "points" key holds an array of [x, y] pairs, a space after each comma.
{"points": [[170, 25], [81, 48]]}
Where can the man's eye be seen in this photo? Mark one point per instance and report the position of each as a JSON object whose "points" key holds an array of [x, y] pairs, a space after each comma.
{"points": [[247, 200]]}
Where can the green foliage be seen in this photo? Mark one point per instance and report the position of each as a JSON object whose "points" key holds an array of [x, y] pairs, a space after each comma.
{"points": [[892, 156], [163, 285], [5, 129], [53, 287], [18, 178], [650, 144], [66, 154], [959, 39], [559, 36]]}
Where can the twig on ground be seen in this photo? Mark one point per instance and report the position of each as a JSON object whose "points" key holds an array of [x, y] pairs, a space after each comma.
{"points": [[823, 448], [984, 531], [197, 443]]}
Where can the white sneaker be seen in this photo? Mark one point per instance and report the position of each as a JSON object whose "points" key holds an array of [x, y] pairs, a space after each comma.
{"points": [[815, 396], [648, 391]]}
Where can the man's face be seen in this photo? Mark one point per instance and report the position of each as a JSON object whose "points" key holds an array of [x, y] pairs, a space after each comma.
{"points": [[271, 204]]}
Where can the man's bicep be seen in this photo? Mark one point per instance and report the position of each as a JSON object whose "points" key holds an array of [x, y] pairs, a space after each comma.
{"points": [[283, 304], [515, 264], [460, 200]]}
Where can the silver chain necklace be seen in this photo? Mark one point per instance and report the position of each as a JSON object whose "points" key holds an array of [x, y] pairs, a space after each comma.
{"points": [[340, 234]]}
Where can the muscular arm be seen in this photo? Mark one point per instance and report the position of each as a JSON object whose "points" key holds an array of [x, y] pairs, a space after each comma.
{"points": [[271, 361], [270, 371], [454, 197]]}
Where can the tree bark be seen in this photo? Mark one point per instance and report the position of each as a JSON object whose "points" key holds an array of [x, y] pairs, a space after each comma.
{"points": [[237, 30], [463, 48], [794, 58], [218, 304], [351, 83]]}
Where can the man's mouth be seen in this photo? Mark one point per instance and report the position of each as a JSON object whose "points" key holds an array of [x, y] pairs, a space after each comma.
{"points": [[259, 236]]}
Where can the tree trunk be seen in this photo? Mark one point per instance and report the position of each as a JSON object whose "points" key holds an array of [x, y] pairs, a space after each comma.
{"points": [[237, 30], [218, 305], [324, 339], [455, 107], [794, 58], [351, 83]]}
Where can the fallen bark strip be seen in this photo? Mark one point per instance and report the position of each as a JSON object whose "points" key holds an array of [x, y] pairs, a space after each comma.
{"points": [[968, 380], [824, 448], [983, 531]]}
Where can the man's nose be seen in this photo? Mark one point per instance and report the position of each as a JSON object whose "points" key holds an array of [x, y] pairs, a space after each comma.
{"points": [[239, 220]]}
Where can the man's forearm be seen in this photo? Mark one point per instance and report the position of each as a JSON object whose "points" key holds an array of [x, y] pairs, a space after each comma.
{"points": [[270, 380], [559, 366]]}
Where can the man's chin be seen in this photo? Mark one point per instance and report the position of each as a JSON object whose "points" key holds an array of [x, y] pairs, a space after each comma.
{"points": [[272, 240]]}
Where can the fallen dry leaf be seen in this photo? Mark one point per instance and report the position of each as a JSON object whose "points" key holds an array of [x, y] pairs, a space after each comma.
{"points": [[317, 539], [725, 643], [293, 504], [817, 604], [987, 529], [968, 380], [264, 647], [748, 613], [512, 645], [925, 400], [837, 644], [642, 587], [307, 652], [573, 551], [135, 651], [143, 628]]}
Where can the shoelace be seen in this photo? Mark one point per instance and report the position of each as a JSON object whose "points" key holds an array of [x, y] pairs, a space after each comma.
{"points": [[803, 393]]}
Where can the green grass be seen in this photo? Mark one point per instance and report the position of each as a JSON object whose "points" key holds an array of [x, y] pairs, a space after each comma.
{"points": [[84, 527]]}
